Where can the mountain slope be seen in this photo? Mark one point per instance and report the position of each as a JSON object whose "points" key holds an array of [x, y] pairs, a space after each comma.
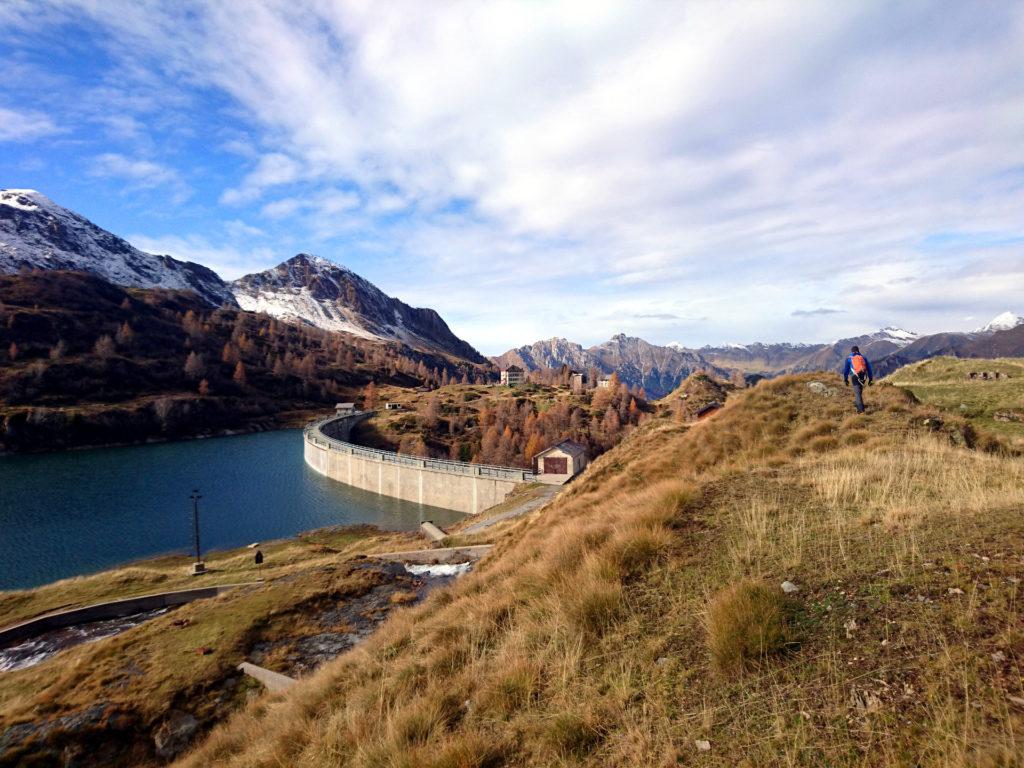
{"points": [[639, 614], [86, 362], [35, 232], [314, 290]]}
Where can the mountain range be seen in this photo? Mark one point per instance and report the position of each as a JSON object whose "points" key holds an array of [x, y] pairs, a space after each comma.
{"points": [[36, 233], [659, 369]]}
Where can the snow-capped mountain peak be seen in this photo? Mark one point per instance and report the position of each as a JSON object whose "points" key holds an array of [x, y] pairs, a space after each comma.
{"points": [[898, 336], [20, 198], [317, 291], [35, 232], [1003, 322]]}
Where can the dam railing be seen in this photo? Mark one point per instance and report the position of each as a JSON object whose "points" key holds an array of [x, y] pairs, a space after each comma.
{"points": [[314, 433]]}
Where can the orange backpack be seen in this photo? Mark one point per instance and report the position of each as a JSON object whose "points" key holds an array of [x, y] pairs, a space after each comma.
{"points": [[859, 365]]}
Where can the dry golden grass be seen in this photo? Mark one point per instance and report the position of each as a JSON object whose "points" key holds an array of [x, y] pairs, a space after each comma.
{"points": [[584, 638]]}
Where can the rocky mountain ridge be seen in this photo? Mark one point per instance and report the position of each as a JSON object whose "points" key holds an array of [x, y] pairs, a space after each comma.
{"points": [[312, 289], [36, 233]]}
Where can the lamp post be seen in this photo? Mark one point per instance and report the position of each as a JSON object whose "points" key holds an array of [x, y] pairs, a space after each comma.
{"points": [[198, 566]]}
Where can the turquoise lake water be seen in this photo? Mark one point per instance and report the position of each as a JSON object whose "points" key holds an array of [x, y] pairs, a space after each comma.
{"points": [[72, 513]]}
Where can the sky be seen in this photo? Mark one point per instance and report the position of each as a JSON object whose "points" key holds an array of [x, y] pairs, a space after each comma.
{"points": [[696, 172]]}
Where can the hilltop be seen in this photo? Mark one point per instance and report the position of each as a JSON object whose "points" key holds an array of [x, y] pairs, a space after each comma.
{"points": [[989, 393], [638, 620]]}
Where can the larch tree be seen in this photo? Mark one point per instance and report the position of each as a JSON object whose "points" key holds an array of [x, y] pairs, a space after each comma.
{"points": [[104, 347], [370, 397], [125, 336], [195, 368]]}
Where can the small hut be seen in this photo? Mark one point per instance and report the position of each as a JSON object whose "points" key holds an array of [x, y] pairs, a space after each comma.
{"points": [[562, 460]]}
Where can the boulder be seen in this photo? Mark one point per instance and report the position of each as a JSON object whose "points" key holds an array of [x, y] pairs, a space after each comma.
{"points": [[175, 734]]}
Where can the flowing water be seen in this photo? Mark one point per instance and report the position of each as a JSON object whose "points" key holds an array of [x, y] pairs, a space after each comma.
{"points": [[72, 513]]}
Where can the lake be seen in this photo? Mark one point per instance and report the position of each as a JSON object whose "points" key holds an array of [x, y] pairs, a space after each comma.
{"points": [[72, 513]]}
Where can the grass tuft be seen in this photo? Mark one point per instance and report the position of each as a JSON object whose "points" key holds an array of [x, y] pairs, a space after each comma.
{"points": [[746, 623]]}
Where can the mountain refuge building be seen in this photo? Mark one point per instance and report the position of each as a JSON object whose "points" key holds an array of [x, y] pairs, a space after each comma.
{"points": [[513, 376]]}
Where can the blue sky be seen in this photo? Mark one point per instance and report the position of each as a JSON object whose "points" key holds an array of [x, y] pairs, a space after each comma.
{"points": [[692, 172]]}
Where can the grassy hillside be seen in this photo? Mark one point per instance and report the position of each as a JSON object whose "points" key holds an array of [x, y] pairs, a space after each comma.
{"points": [[945, 382], [638, 620]]}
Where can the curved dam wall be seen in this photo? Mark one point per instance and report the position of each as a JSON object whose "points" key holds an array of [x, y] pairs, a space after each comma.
{"points": [[468, 488]]}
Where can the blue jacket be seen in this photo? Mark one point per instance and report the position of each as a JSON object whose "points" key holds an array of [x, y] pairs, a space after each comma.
{"points": [[848, 369]]}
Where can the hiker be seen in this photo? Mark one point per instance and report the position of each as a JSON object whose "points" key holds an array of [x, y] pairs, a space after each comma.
{"points": [[859, 368]]}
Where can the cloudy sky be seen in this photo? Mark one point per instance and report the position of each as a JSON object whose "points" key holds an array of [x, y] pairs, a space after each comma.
{"points": [[698, 172]]}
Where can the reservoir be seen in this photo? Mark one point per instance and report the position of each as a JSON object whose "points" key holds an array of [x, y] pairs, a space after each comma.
{"points": [[72, 513]]}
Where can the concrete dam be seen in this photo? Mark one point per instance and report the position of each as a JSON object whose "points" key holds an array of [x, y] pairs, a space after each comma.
{"points": [[468, 488]]}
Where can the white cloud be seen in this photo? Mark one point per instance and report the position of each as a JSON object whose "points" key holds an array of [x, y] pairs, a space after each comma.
{"points": [[19, 125], [226, 259], [271, 170], [740, 161]]}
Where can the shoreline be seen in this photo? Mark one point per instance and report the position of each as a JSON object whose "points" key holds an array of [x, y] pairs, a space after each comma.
{"points": [[291, 420]]}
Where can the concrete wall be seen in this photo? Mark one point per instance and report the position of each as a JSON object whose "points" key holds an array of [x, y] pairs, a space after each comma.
{"points": [[108, 610], [463, 487]]}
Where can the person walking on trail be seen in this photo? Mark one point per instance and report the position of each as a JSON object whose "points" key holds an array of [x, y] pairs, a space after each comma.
{"points": [[859, 369]]}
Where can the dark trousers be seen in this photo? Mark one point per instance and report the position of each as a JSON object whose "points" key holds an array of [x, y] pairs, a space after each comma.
{"points": [[858, 394]]}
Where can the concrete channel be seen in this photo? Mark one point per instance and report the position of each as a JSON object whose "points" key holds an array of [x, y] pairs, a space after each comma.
{"points": [[112, 609]]}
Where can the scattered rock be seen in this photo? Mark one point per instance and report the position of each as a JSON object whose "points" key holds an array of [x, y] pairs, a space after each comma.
{"points": [[955, 591], [662, 661], [1008, 416], [789, 587], [849, 626], [1016, 700], [865, 702], [998, 657], [175, 734], [818, 388], [703, 745]]}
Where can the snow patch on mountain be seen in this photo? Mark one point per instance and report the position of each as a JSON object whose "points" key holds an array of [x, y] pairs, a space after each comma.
{"points": [[18, 198], [1004, 322]]}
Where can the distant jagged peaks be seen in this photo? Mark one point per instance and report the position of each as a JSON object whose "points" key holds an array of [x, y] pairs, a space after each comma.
{"points": [[37, 233], [1004, 322]]}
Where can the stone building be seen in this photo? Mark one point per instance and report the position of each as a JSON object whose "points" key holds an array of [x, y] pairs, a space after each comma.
{"points": [[561, 461], [513, 376]]}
